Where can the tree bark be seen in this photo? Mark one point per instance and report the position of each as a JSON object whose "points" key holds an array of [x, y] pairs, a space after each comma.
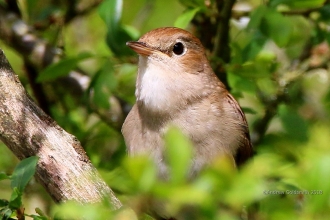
{"points": [[63, 168]]}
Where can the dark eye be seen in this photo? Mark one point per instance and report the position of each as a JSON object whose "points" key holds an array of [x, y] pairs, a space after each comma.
{"points": [[178, 48]]}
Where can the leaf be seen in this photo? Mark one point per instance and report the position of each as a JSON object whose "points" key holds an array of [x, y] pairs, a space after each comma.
{"points": [[3, 176], [102, 85], [15, 201], [3, 202], [255, 45], [117, 34], [143, 172], [325, 12], [37, 217], [23, 172], [193, 3], [239, 83], [256, 17], [178, 154], [61, 68], [248, 110], [184, 19], [5, 213], [295, 126], [298, 4], [40, 212], [277, 27]]}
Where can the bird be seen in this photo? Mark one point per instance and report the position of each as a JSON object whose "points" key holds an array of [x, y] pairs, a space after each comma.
{"points": [[176, 86]]}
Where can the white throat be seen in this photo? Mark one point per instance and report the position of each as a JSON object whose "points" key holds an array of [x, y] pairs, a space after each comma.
{"points": [[154, 84]]}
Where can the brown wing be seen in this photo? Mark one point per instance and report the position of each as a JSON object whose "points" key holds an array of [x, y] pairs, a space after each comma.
{"points": [[245, 150]]}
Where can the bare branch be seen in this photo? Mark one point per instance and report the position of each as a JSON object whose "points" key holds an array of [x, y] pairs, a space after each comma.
{"points": [[221, 44], [63, 168]]}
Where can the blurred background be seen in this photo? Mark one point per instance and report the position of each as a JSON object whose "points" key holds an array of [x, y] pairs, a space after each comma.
{"points": [[273, 56]]}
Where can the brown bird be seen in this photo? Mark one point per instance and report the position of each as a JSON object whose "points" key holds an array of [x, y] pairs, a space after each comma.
{"points": [[176, 86]]}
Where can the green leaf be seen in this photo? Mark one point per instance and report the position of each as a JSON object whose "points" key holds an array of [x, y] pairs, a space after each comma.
{"points": [[184, 19], [142, 170], [325, 12], [3, 202], [117, 34], [178, 154], [298, 4], [238, 83], [256, 17], [40, 212], [5, 213], [277, 27], [252, 49], [62, 68], [15, 201], [193, 3], [295, 126], [103, 83], [3, 176], [38, 217], [23, 172], [248, 110], [326, 101]]}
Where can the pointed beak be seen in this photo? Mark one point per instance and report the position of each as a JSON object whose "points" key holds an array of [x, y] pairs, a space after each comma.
{"points": [[140, 47]]}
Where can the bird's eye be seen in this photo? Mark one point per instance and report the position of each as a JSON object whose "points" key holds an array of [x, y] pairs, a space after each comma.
{"points": [[178, 48]]}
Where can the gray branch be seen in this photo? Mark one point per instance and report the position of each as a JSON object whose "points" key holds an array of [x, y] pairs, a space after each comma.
{"points": [[63, 168]]}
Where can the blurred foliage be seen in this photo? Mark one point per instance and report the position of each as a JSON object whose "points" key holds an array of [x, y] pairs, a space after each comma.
{"points": [[279, 71]]}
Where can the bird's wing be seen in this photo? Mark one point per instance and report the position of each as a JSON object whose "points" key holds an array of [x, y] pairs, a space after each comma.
{"points": [[245, 150]]}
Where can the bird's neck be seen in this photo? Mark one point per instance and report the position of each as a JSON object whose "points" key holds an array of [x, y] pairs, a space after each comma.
{"points": [[163, 88], [153, 86]]}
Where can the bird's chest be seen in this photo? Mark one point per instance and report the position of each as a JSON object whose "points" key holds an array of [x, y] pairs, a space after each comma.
{"points": [[200, 125]]}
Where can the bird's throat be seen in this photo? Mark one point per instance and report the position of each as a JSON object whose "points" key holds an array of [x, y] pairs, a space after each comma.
{"points": [[154, 86]]}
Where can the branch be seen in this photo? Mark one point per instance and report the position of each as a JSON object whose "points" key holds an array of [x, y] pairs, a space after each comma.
{"points": [[63, 168], [75, 10], [221, 47]]}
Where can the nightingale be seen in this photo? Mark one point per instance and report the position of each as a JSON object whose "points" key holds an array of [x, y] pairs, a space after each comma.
{"points": [[176, 86]]}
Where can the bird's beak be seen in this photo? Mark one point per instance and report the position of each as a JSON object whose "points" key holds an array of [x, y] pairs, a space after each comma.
{"points": [[140, 47]]}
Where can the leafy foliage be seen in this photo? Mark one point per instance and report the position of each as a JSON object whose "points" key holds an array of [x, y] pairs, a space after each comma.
{"points": [[278, 69], [22, 174]]}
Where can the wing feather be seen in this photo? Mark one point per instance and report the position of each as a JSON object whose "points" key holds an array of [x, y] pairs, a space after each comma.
{"points": [[245, 149]]}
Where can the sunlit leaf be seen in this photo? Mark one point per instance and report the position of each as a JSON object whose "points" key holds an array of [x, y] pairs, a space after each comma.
{"points": [[23, 172], [277, 27], [15, 201], [256, 17], [75, 210], [178, 154], [193, 3], [117, 34], [184, 19], [298, 4], [239, 83], [142, 171], [247, 110], [255, 45], [3, 176]]}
